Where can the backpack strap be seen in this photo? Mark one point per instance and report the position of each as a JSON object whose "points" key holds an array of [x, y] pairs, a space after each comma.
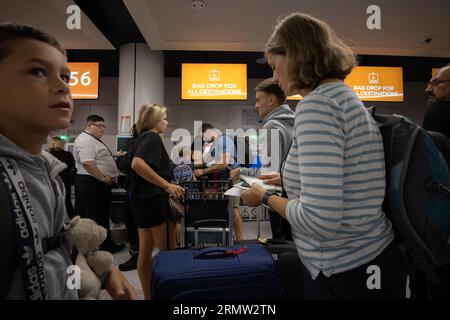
{"points": [[440, 190], [8, 261], [386, 120], [9, 239]]}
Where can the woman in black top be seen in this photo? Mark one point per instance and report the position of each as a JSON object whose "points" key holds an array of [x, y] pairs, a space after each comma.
{"points": [[150, 188], [56, 148]]}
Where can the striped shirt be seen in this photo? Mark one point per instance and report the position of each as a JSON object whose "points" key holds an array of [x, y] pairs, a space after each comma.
{"points": [[334, 177]]}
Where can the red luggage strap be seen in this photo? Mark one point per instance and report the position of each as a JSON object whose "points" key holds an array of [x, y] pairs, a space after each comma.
{"points": [[217, 253], [237, 251]]}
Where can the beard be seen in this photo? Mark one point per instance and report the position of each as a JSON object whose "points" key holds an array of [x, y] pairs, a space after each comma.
{"points": [[431, 100]]}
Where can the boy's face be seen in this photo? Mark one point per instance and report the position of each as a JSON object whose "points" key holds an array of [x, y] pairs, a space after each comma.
{"points": [[34, 89]]}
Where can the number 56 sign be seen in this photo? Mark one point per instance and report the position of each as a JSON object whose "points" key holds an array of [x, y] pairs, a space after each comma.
{"points": [[84, 80]]}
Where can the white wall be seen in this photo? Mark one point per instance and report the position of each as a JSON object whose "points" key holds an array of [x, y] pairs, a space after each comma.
{"points": [[227, 114], [222, 114], [141, 67]]}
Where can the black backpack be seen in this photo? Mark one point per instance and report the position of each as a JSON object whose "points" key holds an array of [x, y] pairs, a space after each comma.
{"points": [[417, 199]]}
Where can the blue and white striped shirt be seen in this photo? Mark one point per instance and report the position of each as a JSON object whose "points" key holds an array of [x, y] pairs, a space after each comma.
{"points": [[334, 177]]}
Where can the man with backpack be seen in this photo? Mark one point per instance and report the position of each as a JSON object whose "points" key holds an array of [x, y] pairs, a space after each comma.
{"points": [[437, 117], [418, 189]]}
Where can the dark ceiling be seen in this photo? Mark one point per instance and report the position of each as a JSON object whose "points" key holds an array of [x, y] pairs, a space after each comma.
{"points": [[113, 19], [116, 24]]}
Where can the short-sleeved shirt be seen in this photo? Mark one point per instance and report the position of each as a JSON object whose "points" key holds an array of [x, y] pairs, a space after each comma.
{"points": [[224, 144], [149, 147], [88, 148]]}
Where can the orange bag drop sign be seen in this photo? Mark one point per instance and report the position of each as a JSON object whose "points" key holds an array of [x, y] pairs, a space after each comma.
{"points": [[218, 81], [374, 84], [377, 83], [84, 80]]}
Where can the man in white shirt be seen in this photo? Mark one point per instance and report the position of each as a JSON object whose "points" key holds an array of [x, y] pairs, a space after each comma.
{"points": [[96, 172]]}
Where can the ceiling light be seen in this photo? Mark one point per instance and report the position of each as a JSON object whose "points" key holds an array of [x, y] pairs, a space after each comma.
{"points": [[198, 4], [261, 60]]}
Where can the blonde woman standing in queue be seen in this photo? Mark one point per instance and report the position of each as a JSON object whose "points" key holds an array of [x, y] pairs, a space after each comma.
{"points": [[334, 173], [150, 189]]}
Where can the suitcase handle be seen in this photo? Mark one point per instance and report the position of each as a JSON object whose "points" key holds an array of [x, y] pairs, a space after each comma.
{"points": [[219, 222], [218, 253]]}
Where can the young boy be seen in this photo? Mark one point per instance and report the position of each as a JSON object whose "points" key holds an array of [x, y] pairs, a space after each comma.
{"points": [[34, 100]]}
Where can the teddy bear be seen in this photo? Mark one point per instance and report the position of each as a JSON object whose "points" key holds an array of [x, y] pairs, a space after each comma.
{"points": [[86, 235]]}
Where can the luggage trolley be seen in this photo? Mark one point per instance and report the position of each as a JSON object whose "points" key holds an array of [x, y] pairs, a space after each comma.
{"points": [[207, 213]]}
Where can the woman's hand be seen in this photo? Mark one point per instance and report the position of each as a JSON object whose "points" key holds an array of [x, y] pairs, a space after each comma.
{"points": [[174, 190], [253, 196], [118, 287], [271, 178]]}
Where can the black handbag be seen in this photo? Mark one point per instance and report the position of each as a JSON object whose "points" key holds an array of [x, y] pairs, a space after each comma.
{"points": [[176, 210]]}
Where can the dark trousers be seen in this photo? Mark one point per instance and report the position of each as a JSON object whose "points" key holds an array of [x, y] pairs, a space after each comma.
{"points": [[280, 227], [275, 224], [93, 201], [352, 284], [131, 226], [423, 289]]}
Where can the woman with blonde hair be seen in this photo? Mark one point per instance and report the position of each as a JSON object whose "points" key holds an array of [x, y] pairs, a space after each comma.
{"points": [[150, 188], [56, 148], [334, 173]]}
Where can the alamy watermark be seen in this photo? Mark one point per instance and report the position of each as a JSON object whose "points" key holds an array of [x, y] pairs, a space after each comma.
{"points": [[262, 142], [73, 22], [374, 280], [73, 277], [374, 20]]}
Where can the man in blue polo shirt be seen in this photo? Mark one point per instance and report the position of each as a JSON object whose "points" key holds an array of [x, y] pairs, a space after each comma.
{"points": [[220, 159]]}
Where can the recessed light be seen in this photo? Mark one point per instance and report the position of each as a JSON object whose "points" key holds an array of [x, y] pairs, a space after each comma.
{"points": [[198, 4], [261, 60]]}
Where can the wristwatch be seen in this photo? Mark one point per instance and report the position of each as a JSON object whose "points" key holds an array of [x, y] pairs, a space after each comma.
{"points": [[267, 195]]}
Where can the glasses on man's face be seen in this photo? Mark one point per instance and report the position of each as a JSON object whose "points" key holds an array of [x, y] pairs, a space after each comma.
{"points": [[437, 82], [100, 125]]}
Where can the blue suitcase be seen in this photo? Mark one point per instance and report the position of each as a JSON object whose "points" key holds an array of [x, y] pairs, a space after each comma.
{"points": [[224, 273]]}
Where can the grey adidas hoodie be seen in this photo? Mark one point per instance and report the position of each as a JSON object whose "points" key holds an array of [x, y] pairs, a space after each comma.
{"points": [[281, 119], [47, 196]]}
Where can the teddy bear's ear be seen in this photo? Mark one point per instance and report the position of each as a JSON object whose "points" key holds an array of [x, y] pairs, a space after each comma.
{"points": [[72, 223], [102, 233]]}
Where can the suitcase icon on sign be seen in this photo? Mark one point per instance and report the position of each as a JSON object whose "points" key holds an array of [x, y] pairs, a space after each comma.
{"points": [[374, 77], [214, 75]]}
